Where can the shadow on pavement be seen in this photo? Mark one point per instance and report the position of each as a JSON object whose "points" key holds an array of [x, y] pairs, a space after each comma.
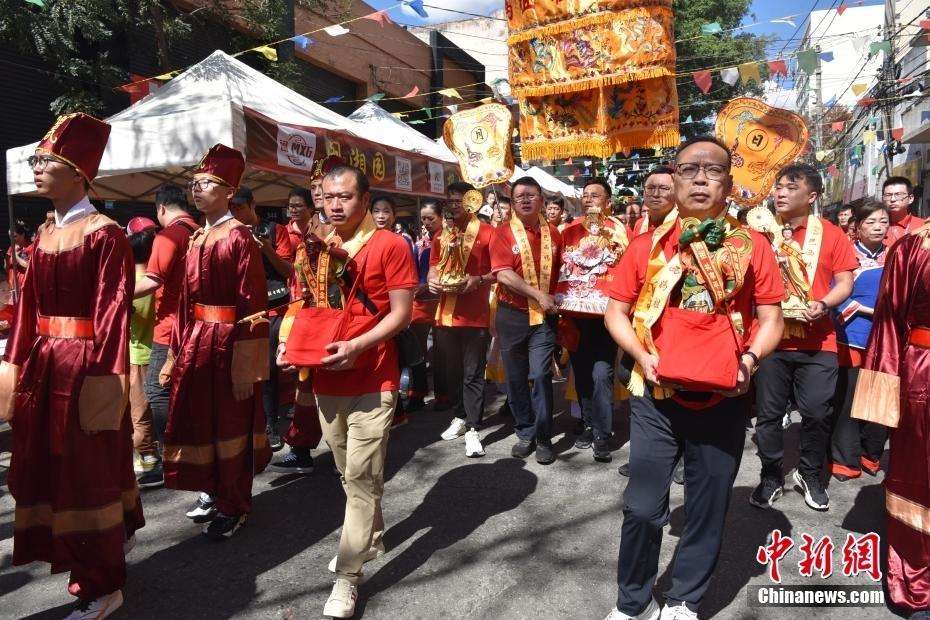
{"points": [[460, 502]]}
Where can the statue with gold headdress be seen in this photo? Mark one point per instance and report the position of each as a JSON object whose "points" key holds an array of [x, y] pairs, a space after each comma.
{"points": [[452, 260], [791, 263]]}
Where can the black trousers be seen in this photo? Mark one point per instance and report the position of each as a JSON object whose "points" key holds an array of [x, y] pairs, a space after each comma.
{"points": [[853, 439], [711, 443], [527, 355], [465, 356], [158, 395], [593, 366], [418, 383], [270, 396], [812, 377]]}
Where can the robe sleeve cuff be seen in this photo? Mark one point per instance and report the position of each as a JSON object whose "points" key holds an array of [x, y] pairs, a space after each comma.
{"points": [[9, 378], [878, 398], [102, 403], [250, 361]]}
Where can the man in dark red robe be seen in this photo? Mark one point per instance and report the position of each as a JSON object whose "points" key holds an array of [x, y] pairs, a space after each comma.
{"points": [[892, 390], [215, 438], [64, 381]]}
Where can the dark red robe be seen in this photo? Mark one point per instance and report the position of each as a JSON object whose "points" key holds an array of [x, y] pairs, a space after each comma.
{"points": [[71, 473], [895, 379], [213, 442]]}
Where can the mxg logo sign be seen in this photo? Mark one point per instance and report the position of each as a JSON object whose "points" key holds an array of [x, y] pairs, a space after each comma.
{"points": [[296, 148]]}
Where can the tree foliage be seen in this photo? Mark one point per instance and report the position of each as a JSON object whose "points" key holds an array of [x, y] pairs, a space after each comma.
{"points": [[696, 52], [81, 43]]}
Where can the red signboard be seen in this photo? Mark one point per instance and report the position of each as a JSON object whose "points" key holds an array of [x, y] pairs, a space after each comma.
{"points": [[291, 149]]}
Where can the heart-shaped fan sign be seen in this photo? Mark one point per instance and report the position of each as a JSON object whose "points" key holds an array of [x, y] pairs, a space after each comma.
{"points": [[480, 140], [762, 140]]}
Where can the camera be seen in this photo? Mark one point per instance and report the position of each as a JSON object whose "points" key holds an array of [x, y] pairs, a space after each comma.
{"points": [[263, 229]]}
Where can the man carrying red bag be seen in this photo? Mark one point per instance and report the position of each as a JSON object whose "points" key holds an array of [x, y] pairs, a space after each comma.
{"points": [[702, 270]]}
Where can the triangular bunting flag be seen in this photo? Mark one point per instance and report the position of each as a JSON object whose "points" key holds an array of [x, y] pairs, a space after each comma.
{"points": [[302, 41], [841, 8], [867, 101], [334, 99], [878, 46], [838, 126], [375, 97], [925, 116], [868, 137], [857, 151], [787, 19], [826, 56], [38, 3], [729, 75], [712, 28], [807, 60], [831, 102], [778, 67], [381, 17], [451, 93], [453, 108], [417, 6], [413, 92], [897, 133], [819, 155], [873, 120], [335, 30], [429, 112], [689, 119], [703, 80], [164, 77], [268, 52], [858, 89], [568, 162], [749, 71]]}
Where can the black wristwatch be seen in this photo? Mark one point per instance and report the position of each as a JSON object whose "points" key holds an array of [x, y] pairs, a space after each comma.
{"points": [[755, 358]]}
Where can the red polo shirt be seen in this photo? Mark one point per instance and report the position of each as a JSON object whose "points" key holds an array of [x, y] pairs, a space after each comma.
{"points": [[166, 266], [836, 255], [906, 225], [388, 266], [472, 309], [505, 254]]}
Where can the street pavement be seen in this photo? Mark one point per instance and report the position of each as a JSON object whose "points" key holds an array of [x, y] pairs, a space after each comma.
{"points": [[493, 537]]}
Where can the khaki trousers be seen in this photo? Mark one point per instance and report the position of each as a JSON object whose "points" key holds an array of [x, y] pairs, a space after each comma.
{"points": [[143, 433], [356, 429]]}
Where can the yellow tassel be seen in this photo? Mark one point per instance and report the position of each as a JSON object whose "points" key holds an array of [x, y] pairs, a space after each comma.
{"points": [[567, 23], [571, 85]]}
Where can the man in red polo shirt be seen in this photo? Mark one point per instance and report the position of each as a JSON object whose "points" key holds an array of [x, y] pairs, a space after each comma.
{"points": [[805, 363], [898, 196], [658, 200], [656, 284], [356, 388], [164, 276], [462, 319], [525, 257]]}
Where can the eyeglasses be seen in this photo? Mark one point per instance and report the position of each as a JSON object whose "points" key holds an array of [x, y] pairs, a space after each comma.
{"points": [[657, 189], [714, 172], [40, 162], [896, 196], [340, 198], [201, 185], [526, 197]]}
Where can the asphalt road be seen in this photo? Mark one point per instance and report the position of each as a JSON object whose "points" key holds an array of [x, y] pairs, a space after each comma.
{"points": [[467, 538]]}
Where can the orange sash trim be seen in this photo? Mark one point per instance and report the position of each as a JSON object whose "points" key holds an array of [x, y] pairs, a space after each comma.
{"points": [[66, 327], [214, 314], [540, 282]]}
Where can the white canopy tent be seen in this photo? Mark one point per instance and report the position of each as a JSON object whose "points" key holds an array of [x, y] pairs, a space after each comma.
{"points": [[162, 137], [394, 132], [548, 182]]}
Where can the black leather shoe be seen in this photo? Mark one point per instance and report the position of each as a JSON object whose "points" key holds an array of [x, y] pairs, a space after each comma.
{"points": [[545, 455], [522, 449]]}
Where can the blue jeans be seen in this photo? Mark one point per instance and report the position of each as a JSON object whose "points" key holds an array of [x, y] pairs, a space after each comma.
{"points": [[527, 354], [158, 394]]}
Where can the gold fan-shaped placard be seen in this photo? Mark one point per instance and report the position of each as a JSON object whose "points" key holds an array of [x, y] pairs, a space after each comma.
{"points": [[472, 200], [760, 219]]}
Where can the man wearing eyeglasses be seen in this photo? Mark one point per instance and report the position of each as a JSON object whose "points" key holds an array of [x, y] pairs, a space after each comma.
{"points": [[215, 438], [525, 257], [656, 278], [64, 381], [658, 200], [898, 195]]}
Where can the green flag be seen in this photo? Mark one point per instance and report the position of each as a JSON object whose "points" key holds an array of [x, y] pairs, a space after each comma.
{"points": [[807, 60]]}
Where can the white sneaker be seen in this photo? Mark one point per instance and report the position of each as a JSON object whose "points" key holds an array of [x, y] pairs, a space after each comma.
{"points": [[341, 603], [97, 608], [650, 613], [680, 612], [456, 429], [473, 447], [373, 554]]}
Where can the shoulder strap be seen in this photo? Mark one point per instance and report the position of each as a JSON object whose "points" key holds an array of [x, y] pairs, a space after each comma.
{"points": [[185, 225]]}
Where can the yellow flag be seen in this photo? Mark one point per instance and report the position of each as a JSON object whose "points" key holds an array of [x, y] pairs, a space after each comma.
{"points": [[450, 92], [858, 89], [268, 52], [164, 77], [749, 71]]}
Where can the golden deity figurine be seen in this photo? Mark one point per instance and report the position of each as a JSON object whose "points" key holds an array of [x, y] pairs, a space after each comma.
{"points": [[451, 266]]}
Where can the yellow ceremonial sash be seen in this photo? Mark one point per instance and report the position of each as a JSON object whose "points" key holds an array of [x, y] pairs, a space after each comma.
{"points": [[359, 238], [542, 282], [446, 308], [618, 234], [644, 313], [644, 225]]}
